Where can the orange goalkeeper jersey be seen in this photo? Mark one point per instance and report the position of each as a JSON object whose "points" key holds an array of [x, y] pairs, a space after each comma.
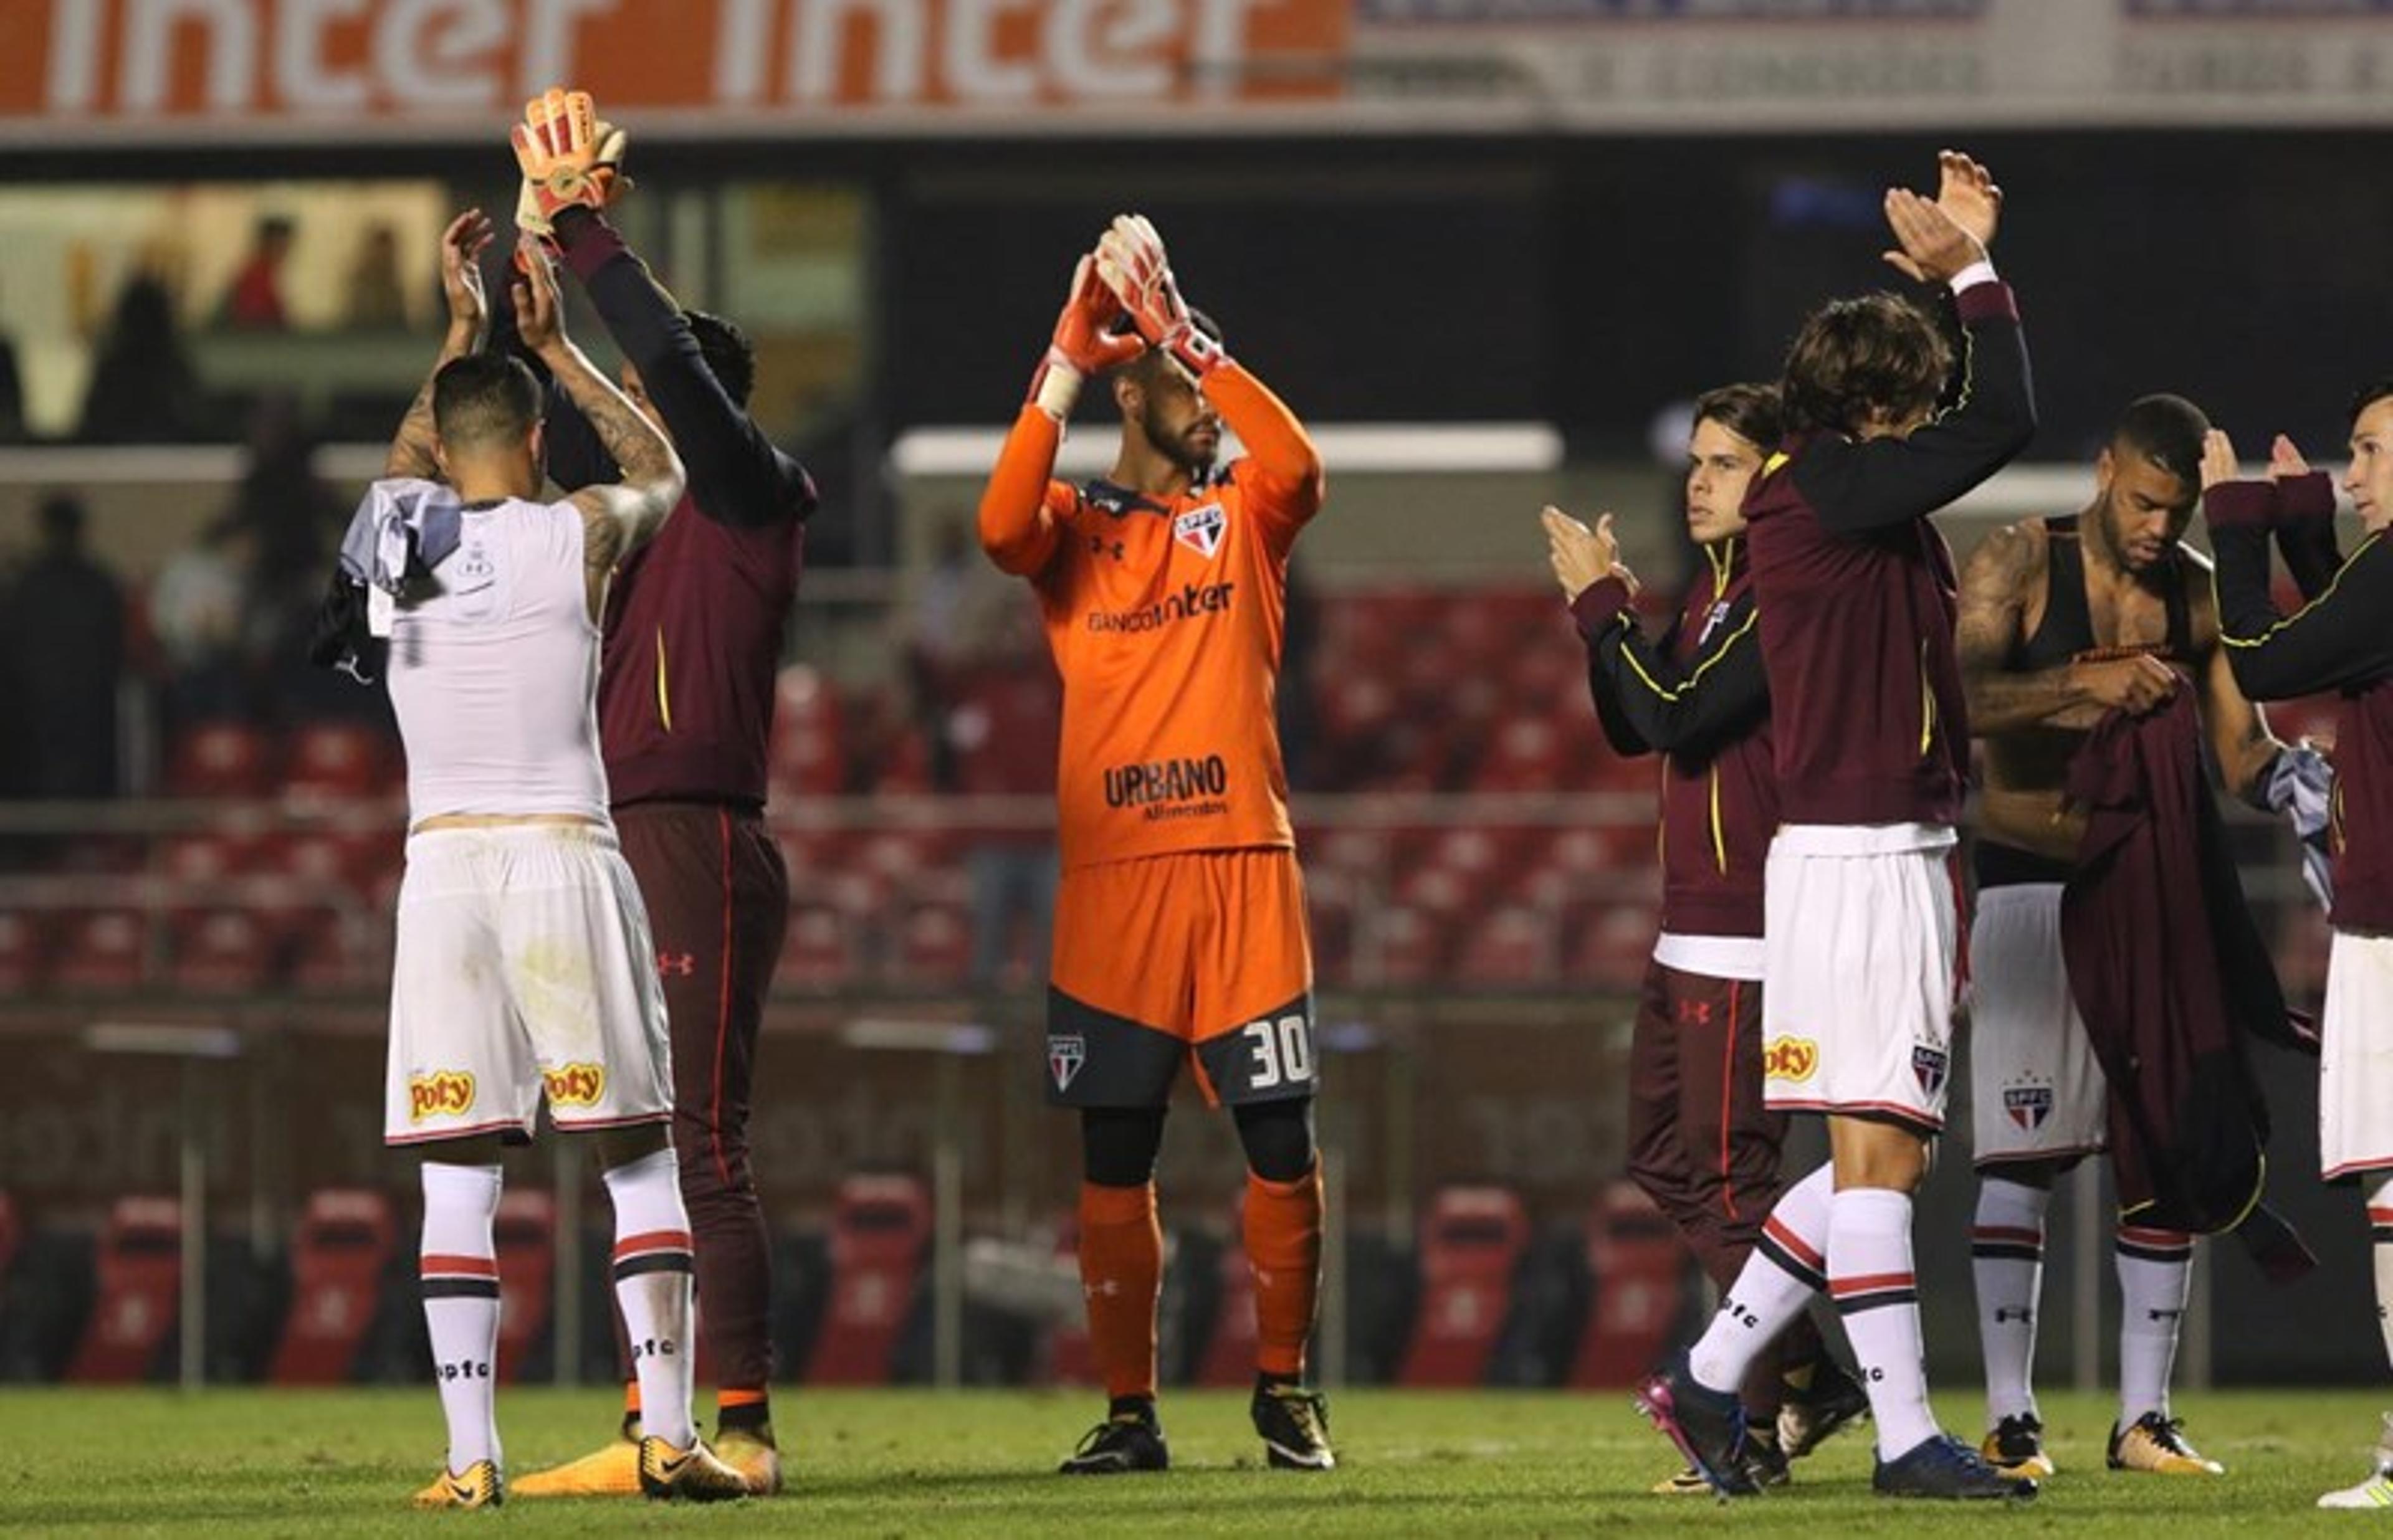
{"points": [[1166, 618]]}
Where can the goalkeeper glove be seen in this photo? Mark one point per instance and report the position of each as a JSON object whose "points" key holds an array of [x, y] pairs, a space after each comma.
{"points": [[568, 158], [1084, 345], [1131, 260]]}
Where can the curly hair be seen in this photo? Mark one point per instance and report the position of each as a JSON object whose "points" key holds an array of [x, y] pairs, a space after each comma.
{"points": [[1858, 360]]}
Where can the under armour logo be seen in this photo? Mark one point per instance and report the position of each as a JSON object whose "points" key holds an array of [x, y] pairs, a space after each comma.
{"points": [[1100, 547], [679, 965], [1107, 1288], [2163, 1315], [1697, 1013], [2007, 1312]]}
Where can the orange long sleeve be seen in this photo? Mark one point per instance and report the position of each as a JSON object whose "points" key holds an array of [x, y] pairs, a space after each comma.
{"points": [[1287, 465], [1018, 512]]}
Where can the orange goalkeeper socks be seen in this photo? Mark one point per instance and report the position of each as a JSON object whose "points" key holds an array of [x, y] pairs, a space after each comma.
{"points": [[1121, 1271], [1284, 1247]]}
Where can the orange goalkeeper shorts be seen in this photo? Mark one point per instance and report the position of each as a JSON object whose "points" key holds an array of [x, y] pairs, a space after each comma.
{"points": [[1201, 956]]}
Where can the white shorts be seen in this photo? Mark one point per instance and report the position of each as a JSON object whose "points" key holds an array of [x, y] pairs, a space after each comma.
{"points": [[523, 968], [2356, 1060], [1857, 999], [2037, 1091]]}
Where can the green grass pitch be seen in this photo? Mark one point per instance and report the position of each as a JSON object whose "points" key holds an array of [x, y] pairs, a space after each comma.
{"points": [[897, 1463]]}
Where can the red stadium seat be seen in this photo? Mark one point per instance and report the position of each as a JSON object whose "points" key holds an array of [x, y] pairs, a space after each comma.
{"points": [[219, 758], [226, 951], [880, 1241], [1640, 1266], [338, 760], [819, 950], [526, 1232], [1406, 947], [1471, 1246], [24, 952], [1514, 947], [807, 752], [333, 953], [103, 950], [345, 1237], [934, 947], [140, 1289]]}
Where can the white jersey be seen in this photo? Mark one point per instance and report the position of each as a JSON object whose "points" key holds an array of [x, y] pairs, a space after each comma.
{"points": [[494, 672]]}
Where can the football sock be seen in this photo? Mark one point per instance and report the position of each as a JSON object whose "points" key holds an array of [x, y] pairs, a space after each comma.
{"points": [[1121, 1271], [459, 1266], [2154, 1268], [2006, 1258], [653, 1275], [1786, 1269], [742, 1409], [1283, 1230], [1871, 1278]]}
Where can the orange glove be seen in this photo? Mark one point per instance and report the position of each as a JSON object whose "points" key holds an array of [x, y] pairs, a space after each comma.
{"points": [[1131, 260], [568, 158], [1085, 343]]}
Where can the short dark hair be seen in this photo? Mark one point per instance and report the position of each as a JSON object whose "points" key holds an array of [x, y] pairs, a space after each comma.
{"points": [[1751, 412], [1143, 368], [61, 517], [730, 357], [1875, 356], [483, 400], [2166, 430], [2367, 396]]}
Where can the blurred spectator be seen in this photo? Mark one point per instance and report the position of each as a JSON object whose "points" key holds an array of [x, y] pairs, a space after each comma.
{"points": [[253, 302], [1005, 714], [64, 627], [143, 389], [12, 393], [377, 296], [199, 610]]}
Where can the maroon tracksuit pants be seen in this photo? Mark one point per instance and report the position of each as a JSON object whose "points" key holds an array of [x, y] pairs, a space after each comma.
{"points": [[1701, 1143], [718, 901]]}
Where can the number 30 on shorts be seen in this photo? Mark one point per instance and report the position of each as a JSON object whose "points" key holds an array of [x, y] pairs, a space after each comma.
{"points": [[1281, 1053]]}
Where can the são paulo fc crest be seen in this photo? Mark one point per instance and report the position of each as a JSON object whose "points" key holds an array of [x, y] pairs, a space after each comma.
{"points": [[1065, 1057], [1927, 1068], [1200, 529], [2028, 1106]]}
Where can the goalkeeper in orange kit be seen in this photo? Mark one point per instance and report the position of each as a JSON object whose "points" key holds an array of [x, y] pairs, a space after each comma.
{"points": [[1180, 932]]}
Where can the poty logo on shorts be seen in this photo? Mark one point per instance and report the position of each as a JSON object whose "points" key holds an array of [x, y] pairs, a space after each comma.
{"points": [[575, 1085], [1200, 530], [1065, 1057], [2029, 1105], [442, 1093], [1927, 1067], [1790, 1058]]}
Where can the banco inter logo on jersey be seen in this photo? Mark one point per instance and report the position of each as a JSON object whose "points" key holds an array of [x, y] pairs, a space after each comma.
{"points": [[1200, 530], [1171, 787], [1193, 600]]}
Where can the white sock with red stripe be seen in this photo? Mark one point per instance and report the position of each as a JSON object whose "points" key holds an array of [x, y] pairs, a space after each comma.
{"points": [[1871, 1278], [459, 1267], [2380, 1231], [2155, 1267], [652, 1287], [1786, 1269], [2006, 1257]]}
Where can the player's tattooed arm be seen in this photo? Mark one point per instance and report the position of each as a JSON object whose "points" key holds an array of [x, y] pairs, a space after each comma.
{"points": [[1993, 620], [617, 518], [2039, 822], [2240, 738], [411, 449]]}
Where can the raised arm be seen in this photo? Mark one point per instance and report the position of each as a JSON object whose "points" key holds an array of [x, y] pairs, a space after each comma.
{"points": [[469, 314], [2337, 640], [1880, 482], [2239, 734], [2000, 573], [1284, 469], [735, 475], [1024, 507], [1645, 699], [620, 516]]}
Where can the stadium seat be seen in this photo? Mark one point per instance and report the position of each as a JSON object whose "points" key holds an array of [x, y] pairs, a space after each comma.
{"points": [[339, 1256], [338, 760], [225, 951], [219, 758], [138, 1261], [934, 947], [1640, 1269], [807, 752], [819, 950], [24, 952], [881, 1233], [1405, 947], [1514, 947], [1471, 1243], [332, 953], [102, 949]]}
